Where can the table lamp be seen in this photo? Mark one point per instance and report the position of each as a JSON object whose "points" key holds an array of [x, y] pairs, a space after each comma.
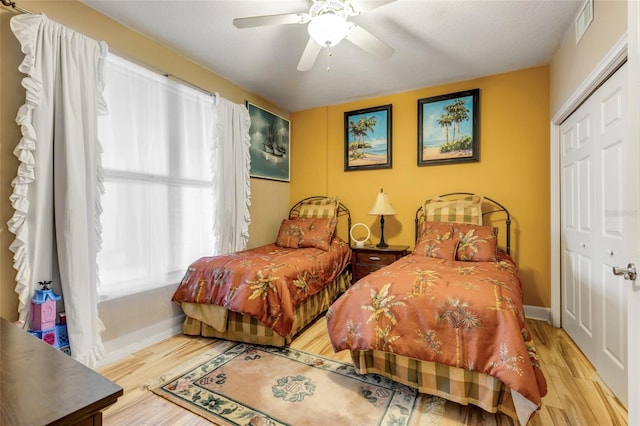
{"points": [[382, 207]]}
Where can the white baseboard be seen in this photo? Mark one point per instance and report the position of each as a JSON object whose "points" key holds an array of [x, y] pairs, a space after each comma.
{"points": [[537, 313], [123, 346]]}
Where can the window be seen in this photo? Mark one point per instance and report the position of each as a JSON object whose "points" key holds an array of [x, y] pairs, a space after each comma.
{"points": [[158, 179]]}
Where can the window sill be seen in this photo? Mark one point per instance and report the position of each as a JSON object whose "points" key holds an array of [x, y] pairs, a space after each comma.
{"points": [[114, 292]]}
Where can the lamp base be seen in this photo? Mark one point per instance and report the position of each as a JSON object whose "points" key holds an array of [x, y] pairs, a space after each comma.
{"points": [[382, 243]]}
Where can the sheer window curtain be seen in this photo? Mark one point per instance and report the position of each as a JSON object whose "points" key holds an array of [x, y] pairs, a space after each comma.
{"points": [[56, 193], [158, 142], [176, 176]]}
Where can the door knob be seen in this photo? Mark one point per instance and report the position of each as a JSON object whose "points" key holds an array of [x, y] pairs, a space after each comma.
{"points": [[629, 272]]}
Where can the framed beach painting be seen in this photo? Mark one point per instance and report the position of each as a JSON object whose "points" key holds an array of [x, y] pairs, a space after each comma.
{"points": [[448, 128], [367, 138], [270, 144]]}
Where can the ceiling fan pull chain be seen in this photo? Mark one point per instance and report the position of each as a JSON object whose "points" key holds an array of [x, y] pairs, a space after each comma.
{"points": [[329, 55]]}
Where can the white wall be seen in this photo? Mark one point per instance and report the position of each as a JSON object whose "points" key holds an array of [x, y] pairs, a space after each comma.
{"points": [[137, 321]]}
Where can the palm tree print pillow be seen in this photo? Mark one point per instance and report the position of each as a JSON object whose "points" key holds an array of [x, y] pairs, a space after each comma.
{"points": [[437, 240], [306, 232], [476, 243]]}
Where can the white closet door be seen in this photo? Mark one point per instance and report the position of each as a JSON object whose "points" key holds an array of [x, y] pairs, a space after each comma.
{"points": [[595, 225]]}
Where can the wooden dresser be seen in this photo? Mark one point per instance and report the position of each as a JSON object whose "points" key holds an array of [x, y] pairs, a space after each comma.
{"points": [[40, 385], [371, 258]]}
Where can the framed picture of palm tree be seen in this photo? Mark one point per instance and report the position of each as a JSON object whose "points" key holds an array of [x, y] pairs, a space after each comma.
{"points": [[448, 128], [367, 138]]}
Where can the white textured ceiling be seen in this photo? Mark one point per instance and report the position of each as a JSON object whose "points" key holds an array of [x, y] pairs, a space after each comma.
{"points": [[435, 41]]}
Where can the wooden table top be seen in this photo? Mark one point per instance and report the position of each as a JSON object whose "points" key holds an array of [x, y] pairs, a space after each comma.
{"points": [[40, 385]]}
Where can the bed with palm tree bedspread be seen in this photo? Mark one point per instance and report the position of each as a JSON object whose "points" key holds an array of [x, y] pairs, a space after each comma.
{"points": [[447, 319], [267, 294]]}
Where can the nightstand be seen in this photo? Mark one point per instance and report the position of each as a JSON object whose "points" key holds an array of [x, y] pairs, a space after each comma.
{"points": [[370, 258]]}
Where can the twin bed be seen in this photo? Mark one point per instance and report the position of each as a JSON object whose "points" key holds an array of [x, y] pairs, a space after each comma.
{"points": [[448, 319], [267, 294]]}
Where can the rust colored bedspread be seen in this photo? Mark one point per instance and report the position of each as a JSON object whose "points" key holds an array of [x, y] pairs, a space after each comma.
{"points": [[264, 282], [462, 314]]}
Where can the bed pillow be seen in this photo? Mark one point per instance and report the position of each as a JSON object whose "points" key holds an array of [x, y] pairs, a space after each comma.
{"points": [[319, 233], [306, 232], [291, 231], [437, 240], [428, 227], [476, 243], [326, 208], [465, 210]]}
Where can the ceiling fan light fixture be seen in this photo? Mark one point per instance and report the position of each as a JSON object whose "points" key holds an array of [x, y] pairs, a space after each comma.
{"points": [[328, 29]]}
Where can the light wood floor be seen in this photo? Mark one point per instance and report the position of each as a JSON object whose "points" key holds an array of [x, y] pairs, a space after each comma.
{"points": [[576, 394]]}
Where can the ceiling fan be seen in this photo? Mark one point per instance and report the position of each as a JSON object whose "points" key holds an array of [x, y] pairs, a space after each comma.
{"points": [[327, 26]]}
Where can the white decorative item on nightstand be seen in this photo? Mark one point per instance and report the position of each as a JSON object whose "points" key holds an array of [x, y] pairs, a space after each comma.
{"points": [[360, 243]]}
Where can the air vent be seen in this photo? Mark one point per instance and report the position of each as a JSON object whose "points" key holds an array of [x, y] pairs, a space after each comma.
{"points": [[584, 18]]}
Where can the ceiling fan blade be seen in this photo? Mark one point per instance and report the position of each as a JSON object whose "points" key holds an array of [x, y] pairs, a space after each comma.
{"points": [[309, 55], [361, 6], [260, 21], [368, 42]]}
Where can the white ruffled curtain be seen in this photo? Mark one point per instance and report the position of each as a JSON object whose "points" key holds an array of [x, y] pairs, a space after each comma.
{"points": [[231, 180], [58, 187], [56, 194]]}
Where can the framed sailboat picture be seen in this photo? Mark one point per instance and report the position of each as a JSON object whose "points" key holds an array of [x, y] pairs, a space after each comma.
{"points": [[270, 144]]}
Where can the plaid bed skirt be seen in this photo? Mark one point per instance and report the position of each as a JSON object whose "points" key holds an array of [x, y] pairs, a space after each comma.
{"points": [[247, 329], [451, 383]]}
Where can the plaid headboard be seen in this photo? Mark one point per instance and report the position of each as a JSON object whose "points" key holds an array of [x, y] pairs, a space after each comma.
{"points": [[322, 207]]}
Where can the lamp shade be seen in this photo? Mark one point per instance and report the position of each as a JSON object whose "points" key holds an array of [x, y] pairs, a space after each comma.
{"points": [[382, 206], [328, 29]]}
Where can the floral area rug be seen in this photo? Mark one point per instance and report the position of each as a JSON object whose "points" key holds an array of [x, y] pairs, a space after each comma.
{"points": [[259, 386]]}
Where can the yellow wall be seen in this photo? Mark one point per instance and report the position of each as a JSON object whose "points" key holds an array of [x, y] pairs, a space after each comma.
{"points": [[309, 162], [514, 114], [513, 166], [270, 198]]}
